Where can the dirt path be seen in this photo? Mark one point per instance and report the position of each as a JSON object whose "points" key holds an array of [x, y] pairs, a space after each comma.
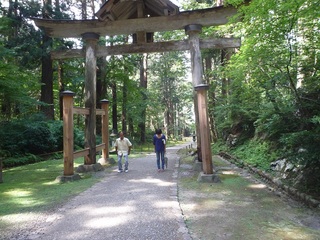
{"points": [[173, 205], [240, 207], [140, 204]]}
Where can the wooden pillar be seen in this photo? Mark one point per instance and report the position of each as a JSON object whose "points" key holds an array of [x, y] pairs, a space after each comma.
{"points": [[67, 98], [196, 63], [105, 129], [202, 122], [207, 165], [197, 72], [91, 40], [141, 36]]}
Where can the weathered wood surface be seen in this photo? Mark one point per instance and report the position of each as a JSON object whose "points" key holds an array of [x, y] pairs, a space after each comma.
{"points": [[220, 43], [105, 129], [207, 164], [90, 97], [68, 133], [100, 147], [79, 110], [115, 9], [85, 111], [81, 153], [75, 28]]}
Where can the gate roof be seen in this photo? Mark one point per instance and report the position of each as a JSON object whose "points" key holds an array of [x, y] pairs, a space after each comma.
{"points": [[129, 9]]}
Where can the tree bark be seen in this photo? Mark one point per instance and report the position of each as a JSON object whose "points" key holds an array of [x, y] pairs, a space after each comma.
{"points": [[124, 106], [90, 96], [61, 88], [47, 70], [100, 89], [114, 107], [143, 86], [47, 81], [211, 97]]}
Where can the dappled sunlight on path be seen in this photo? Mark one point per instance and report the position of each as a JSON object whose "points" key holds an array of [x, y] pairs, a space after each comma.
{"points": [[140, 204]]}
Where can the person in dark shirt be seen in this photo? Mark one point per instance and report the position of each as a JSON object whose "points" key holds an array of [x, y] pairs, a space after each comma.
{"points": [[159, 142]]}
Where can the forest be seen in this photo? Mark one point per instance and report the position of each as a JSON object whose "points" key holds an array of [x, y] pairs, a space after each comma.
{"points": [[264, 97]]}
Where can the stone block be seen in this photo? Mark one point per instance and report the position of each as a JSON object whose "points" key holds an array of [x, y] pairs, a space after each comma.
{"points": [[63, 179], [209, 178]]}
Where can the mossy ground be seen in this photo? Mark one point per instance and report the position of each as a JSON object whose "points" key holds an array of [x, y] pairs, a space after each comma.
{"points": [[240, 207]]}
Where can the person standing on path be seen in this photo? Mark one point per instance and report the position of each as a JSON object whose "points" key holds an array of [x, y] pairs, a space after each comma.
{"points": [[123, 147], [159, 142]]}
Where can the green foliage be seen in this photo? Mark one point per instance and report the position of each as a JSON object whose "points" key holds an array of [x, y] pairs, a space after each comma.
{"points": [[37, 138], [31, 135], [273, 83], [219, 146], [302, 147], [272, 124], [20, 160], [169, 92], [256, 153], [22, 139]]}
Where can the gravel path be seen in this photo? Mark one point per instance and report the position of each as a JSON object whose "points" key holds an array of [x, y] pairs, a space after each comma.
{"points": [[140, 204]]}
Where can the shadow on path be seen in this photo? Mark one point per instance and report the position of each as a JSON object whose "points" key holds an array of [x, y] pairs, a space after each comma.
{"points": [[140, 204]]}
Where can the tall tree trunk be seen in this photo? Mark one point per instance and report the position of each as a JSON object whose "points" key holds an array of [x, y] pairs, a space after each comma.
{"points": [[211, 97], [46, 69], [6, 103], [114, 100], [61, 88], [143, 86], [130, 126], [124, 106], [224, 86], [114, 107], [47, 83], [84, 9], [101, 88]]}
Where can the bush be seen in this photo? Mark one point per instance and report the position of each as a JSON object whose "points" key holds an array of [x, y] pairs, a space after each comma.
{"points": [[27, 136], [10, 135], [37, 139], [21, 160], [257, 154], [56, 129], [302, 147]]}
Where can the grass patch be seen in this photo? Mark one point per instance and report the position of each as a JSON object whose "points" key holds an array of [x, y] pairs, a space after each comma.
{"points": [[32, 188]]}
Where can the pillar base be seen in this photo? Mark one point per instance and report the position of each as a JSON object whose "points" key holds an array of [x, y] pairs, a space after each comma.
{"points": [[209, 178], [63, 179], [89, 168]]}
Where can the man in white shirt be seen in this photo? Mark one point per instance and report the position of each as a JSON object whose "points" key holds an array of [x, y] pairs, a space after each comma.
{"points": [[123, 147]]}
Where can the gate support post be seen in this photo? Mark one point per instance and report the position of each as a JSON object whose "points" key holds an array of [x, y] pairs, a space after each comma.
{"points": [[196, 68], [204, 128], [105, 129], [68, 132], [91, 40], [201, 105], [68, 172]]}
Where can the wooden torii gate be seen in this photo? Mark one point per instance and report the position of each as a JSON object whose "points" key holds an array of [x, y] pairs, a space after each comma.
{"points": [[109, 25]]}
